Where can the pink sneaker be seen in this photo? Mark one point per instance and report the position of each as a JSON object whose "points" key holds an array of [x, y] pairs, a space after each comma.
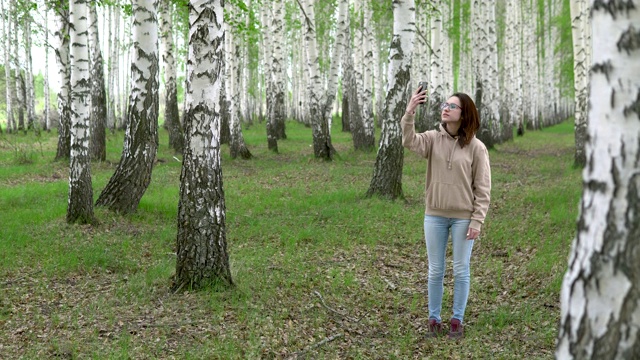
{"points": [[456, 331], [434, 329]]}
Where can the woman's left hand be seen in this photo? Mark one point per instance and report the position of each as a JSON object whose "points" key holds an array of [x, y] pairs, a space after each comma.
{"points": [[472, 234]]}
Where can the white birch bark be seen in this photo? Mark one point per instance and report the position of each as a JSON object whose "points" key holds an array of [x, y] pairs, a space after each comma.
{"points": [[436, 89], [581, 62], [29, 86], [133, 174], [20, 94], [420, 61], [600, 298], [171, 111], [367, 64], [98, 100], [513, 74], [387, 176], [64, 78], [110, 71], [115, 56], [202, 257], [237, 145], [322, 147], [6, 44], [336, 58], [276, 110], [492, 77], [80, 206], [47, 105]]}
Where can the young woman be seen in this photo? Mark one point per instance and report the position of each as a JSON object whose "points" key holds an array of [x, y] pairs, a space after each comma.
{"points": [[458, 187]]}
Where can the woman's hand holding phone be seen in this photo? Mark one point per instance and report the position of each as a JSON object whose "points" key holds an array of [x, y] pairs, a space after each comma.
{"points": [[418, 97]]}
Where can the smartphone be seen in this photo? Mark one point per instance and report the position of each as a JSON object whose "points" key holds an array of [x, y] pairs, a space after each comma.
{"points": [[423, 86]]}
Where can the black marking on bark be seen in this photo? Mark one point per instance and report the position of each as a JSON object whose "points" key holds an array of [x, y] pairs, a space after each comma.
{"points": [[604, 68], [613, 7], [630, 40], [634, 107], [613, 97], [596, 186]]}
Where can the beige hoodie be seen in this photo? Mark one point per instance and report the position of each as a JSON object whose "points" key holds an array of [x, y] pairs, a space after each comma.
{"points": [[458, 179]]}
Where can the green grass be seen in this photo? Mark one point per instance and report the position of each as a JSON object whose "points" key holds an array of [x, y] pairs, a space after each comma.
{"points": [[311, 258]]}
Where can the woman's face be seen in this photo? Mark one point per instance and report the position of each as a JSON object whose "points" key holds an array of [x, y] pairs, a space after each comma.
{"points": [[451, 110]]}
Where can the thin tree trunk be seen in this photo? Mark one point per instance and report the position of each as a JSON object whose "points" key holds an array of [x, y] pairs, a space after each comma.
{"points": [[322, 147], [237, 145], [387, 174], [6, 44], [171, 112], [30, 96], [202, 257], [133, 174], [274, 78], [47, 94], [64, 76], [579, 23], [80, 207], [98, 146]]}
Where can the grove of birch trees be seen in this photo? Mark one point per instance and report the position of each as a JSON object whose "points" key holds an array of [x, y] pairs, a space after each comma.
{"points": [[222, 64]]}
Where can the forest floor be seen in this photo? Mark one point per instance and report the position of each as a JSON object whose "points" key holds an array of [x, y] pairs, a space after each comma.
{"points": [[320, 271]]}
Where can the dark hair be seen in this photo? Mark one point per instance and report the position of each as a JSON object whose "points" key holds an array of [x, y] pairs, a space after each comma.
{"points": [[469, 119]]}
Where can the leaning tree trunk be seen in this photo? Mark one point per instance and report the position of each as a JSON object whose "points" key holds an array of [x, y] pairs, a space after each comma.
{"points": [[387, 174], [98, 146], [171, 112], [202, 257], [600, 298], [322, 147], [64, 76], [133, 174], [80, 207]]}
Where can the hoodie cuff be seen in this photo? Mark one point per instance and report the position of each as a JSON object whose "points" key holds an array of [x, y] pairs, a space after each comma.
{"points": [[475, 224]]}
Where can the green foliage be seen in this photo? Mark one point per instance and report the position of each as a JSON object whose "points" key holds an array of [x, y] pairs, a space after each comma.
{"points": [[310, 256], [564, 50]]}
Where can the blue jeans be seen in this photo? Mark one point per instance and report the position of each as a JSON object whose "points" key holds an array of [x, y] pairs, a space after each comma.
{"points": [[436, 232]]}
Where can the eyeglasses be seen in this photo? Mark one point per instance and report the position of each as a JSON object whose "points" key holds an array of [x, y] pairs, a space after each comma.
{"points": [[451, 106]]}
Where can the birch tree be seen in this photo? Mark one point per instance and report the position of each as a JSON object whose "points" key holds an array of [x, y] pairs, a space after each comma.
{"points": [[513, 69], [581, 41], [6, 44], [387, 174], [171, 111], [322, 147], [237, 146], [47, 105], [367, 72], [202, 257], [336, 57], [80, 207], [276, 109], [133, 174], [436, 83], [64, 77], [600, 298], [98, 146], [29, 88]]}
